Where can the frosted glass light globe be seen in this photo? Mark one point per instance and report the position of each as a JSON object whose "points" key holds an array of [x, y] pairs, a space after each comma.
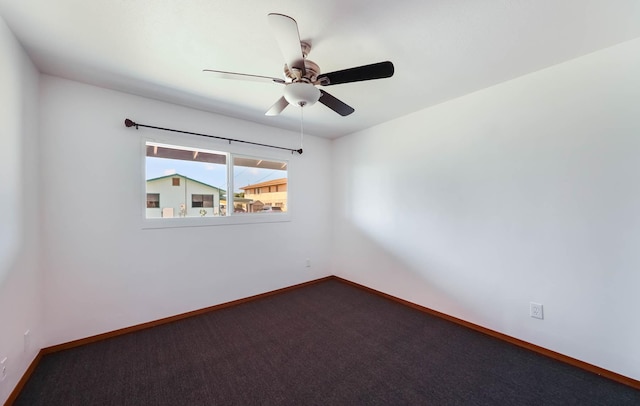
{"points": [[301, 94]]}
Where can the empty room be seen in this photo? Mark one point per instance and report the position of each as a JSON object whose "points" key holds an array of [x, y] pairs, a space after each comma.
{"points": [[343, 202]]}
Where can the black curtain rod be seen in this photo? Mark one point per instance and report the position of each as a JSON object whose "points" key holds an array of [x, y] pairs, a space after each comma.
{"points": [[130, 123]]}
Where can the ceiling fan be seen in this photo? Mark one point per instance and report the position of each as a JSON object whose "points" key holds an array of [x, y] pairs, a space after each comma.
{"points": [[301, 76]]}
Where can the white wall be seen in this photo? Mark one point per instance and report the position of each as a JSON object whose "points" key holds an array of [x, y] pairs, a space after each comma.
{"points": [[20, 291], [106, 272], [526, 191]]}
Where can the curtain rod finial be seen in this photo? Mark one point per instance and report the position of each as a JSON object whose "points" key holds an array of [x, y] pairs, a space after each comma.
{"points": [[299, 151], [129, 123]]}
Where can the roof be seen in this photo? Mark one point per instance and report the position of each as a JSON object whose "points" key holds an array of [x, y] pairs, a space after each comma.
{"points": [[173, 175], [281, 181]]}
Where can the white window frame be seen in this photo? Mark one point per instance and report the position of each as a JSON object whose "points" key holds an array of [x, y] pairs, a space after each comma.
{"points": [[231, 151]]}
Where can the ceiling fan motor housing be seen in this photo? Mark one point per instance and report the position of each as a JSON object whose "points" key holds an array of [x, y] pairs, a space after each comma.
{"points": [[301, 94], [312, 70]]}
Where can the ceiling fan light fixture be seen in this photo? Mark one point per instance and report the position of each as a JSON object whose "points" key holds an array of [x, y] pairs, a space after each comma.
{"points": [[301, 76], [301, 94]]}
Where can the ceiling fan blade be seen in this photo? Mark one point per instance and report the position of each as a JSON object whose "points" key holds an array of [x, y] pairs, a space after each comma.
{"points": [[378, 70], [277, 107], [285, 29], [334, 104], [243, 76]]}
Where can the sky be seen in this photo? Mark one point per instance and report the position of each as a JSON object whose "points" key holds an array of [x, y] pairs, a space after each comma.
{"points": [[211, 174]]}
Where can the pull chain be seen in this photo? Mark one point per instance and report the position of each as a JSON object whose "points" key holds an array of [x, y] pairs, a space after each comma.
{"points": [[301, 125]]}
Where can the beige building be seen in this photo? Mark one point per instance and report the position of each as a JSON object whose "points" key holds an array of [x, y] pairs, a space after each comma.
{"points": [[270, 193]]}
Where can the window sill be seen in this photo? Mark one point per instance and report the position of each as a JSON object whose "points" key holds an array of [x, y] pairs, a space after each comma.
{"points": [[256, 218]]}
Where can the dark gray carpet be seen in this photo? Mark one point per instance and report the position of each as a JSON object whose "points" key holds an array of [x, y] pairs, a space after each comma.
{"points": [[324, 344]]}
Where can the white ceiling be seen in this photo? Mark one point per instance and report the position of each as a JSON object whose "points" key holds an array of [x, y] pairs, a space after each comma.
{"points": [[441, 49]]}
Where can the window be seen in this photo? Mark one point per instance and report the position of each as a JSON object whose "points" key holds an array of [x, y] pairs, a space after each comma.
{"points": [[261, 182], [153, 200], [203, 184], [201, 200]]}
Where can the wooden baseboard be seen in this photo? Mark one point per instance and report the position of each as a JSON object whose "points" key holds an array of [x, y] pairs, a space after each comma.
{"points": [[138, 327], [25, 377], [524, 344], [99, 337]]}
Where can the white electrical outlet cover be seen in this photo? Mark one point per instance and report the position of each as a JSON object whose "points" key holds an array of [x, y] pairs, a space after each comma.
{"points": [[535, 310], [3, 369]]}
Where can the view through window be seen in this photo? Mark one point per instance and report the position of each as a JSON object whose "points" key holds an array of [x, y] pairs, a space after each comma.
{"points": [[192, 182], [260, 185]]}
